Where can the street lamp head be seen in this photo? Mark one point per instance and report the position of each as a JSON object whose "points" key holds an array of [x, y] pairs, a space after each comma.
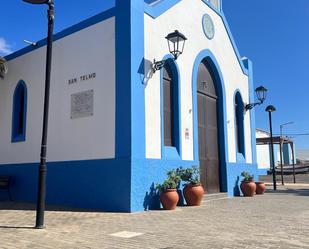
{"points": [[38, 1], [270, 108], [261, 96], [176, 43], [261, 93]]}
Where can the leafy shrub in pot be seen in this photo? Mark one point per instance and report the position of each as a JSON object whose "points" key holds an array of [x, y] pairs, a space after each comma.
{"points": [[193, 190], [168, 190], [247, 186]]}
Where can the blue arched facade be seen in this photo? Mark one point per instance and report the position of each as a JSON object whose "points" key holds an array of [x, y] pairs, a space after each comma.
{"points": [[239, 125], [19, 115], [172, 152], [207, 55]]}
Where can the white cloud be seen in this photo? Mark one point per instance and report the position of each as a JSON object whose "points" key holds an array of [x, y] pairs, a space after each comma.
{"points": [[5, 48]]}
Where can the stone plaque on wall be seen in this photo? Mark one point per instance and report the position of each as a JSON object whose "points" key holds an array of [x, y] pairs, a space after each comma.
{"points": [[82, 104]]}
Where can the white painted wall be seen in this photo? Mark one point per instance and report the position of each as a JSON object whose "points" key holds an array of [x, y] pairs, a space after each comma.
{"points": [[186, 16], [91, 50], [262, 151]]}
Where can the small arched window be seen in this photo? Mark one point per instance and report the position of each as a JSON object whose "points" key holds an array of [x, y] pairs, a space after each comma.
{"points": [[170, 105], [239, 123], [19, 112]]}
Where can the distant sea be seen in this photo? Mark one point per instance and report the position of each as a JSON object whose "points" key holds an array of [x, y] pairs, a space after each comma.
{"points": [[302, 154]]}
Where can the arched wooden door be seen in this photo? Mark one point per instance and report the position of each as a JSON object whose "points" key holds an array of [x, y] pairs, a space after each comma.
{"points": [[207, 99]]}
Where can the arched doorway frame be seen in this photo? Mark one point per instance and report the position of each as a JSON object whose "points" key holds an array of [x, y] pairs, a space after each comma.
{"points": [[240, 124], [166, 151], [20, 91], [222, 117]]}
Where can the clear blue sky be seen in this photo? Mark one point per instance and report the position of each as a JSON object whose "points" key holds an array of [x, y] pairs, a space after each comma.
{"points": [[273, 34]]}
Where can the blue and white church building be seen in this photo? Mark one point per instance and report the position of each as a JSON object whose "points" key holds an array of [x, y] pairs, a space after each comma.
{"points": [[116, 125]]}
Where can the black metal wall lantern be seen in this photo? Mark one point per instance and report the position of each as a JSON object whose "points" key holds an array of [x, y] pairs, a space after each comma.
{"points": [[261, 96], [176, 43]]}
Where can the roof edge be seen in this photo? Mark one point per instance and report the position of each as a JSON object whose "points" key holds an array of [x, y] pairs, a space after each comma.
{"points": [[66, 32], [156, 9]]}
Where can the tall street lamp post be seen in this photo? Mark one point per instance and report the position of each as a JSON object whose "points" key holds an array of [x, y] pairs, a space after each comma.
{"points": [[271, 109], [43, 169]]}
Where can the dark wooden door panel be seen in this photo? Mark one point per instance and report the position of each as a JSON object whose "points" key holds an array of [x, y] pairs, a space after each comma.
{"points": [[168, 110], [208, 131], [212, 177]]}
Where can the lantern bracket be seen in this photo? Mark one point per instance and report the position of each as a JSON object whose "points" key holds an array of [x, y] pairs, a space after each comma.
{"points": [[176, 43], [261, 96]]}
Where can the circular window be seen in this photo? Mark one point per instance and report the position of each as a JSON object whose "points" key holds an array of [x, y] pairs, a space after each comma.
{"points": [[208, 26]]}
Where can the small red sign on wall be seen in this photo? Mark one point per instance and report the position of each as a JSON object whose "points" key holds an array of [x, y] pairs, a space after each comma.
{"points": [[187, 134]]}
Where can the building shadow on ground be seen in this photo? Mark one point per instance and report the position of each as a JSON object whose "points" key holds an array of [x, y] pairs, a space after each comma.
{"points": [[297, 192], [12, 205], [16, 227]]}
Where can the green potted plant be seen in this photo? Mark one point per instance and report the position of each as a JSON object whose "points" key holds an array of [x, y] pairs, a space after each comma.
{"points": [[193, 190], [168, 190], [247, 186]]}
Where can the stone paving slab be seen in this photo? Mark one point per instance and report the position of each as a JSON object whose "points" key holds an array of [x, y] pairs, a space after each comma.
{"points": [[275, 220]]}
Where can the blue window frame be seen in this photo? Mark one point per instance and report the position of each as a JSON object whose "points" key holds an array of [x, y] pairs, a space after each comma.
{"points": [[19, 112], [239, 124], [170, 111]]}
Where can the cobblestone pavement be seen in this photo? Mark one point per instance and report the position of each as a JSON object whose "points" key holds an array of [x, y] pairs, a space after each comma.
{"points": [[274, 220]]}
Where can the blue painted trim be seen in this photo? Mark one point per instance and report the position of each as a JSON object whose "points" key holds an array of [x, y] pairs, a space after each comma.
{"points": [[262, 172], [66, 32], [241, 128], [130, 99], [222, 120], [123, 79], [151, 172], [17, 137], [248, 64], [157, 9], [130, 90], [240, 158], [138, 127], [169, 152], [130, 96], [93, 184], [152, 10], [234, 171], [218, 11]]}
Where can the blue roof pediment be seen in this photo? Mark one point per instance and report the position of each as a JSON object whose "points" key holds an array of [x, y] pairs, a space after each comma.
{"points": [[155, 8]]}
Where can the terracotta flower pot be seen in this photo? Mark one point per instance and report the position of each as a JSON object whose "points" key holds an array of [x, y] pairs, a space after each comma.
{"points": [[260, 188], [193, 194], [169, 199], [248, 188]]}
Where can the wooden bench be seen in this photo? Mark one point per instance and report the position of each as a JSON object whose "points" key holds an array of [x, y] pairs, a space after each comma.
{"points": [[5, 184]]}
